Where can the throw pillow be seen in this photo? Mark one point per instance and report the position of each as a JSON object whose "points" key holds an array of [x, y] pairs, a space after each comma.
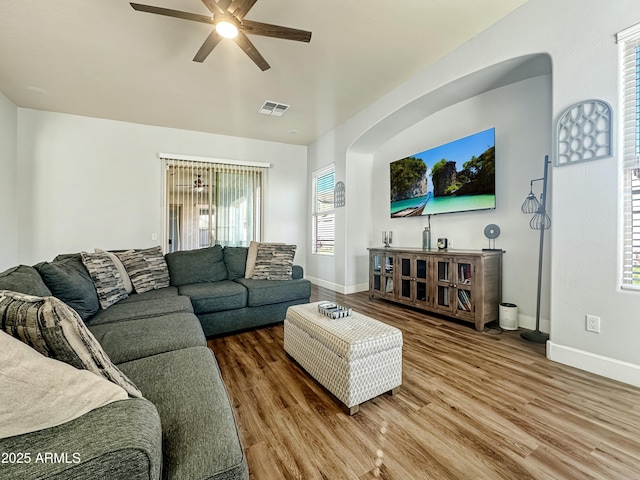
{"points": [[40, 392], [108, 282], [57, 331], [158, 266], [137, 270], [128, 286], [252, 255], [69, 280], [146, 268], [23, 279], [274, 262]]}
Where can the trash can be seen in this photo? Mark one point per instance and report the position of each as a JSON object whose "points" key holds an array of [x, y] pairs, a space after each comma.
{"points": [[508, 315]]}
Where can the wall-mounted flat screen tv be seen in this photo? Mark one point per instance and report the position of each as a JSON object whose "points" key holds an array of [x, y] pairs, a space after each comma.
{"points": [[456, 177]]}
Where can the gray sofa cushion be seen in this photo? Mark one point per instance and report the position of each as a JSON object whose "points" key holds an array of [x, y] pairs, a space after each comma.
{"points": [[121, 440], [143, 337], [165, 292], [142, 309], [215, 296], [235, 259], [199, 432], [233, 321], [265, 292], [68, 280], [196, 266], [24, 279]]}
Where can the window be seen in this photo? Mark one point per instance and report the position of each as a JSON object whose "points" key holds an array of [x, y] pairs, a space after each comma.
{"points": [[208, 203], [629, 41], [323, 211]]}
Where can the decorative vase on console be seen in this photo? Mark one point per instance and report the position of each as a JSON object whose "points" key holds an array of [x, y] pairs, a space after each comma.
{"points": [[426, 238], [387, 238]]}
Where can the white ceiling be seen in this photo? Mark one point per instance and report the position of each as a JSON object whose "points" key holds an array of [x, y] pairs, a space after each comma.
{"points": [[101, 58]]}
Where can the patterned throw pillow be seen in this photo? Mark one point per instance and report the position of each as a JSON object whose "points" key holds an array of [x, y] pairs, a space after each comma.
{"points": [[147, 268], [54, 329], [157, 265], [106, 278], [274, 262], [121, 270], [252, 254]]}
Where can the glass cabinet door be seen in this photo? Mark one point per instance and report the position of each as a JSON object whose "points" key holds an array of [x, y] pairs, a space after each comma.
{"points": [[422, 292], [376, 280], [464, 287], [443, 286], [406, 278], [388, 270], [382, 273]]}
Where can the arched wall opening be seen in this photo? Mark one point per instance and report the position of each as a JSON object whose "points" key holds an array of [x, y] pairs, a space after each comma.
{"points": [[514, 97]]}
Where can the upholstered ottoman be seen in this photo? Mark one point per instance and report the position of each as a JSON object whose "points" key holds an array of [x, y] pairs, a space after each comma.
{"points": [[356, 358]]}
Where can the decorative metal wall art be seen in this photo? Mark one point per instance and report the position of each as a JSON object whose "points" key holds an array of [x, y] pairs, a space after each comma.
{"points": [[584, 133], [339, 195]]}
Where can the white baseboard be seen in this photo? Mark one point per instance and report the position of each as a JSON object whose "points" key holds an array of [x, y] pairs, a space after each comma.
{"points": [[607, 367], [345, 290], [324, 284], [360, 287], [529, 322]]}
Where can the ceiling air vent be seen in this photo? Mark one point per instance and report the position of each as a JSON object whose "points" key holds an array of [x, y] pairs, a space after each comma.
{"points": [[273, 108]]}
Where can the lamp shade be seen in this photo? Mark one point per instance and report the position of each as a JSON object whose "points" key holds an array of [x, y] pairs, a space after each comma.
{"points": [[531, 204], [540, 221]]}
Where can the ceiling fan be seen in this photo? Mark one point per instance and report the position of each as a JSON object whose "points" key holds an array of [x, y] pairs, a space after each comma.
{"points": [[227, 17], [198, 185]]}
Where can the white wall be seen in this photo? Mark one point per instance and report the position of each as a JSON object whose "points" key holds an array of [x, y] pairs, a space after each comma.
{"points": [[579, 37], [86, 182], [8, 176], [522, 141]]}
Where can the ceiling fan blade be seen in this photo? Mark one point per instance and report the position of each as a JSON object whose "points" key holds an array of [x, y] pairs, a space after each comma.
{"points": [[239, 8], [209, 44], [267, 30], [224, 4], [214, 7], [172, 13], [245, 44]]}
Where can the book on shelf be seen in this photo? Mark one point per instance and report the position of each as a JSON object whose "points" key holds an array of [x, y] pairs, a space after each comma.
{"points": [[464, 273], [464, 300]]}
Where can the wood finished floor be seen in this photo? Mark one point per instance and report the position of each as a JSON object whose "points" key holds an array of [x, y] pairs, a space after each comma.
{"points": [[473, 405]]}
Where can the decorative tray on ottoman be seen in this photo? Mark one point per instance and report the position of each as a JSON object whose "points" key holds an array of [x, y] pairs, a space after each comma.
{"points": [[334, 310]]}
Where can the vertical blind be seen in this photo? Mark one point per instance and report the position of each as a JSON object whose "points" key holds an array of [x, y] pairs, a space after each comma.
{"points": [[212, 203], [323, 211], [629, 41]]}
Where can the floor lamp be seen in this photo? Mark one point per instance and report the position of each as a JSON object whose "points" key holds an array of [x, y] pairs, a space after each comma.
{"points": [[539, 221]]}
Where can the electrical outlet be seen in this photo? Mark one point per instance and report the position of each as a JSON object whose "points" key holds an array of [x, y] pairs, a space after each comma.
{"points": [[593, 324], [154, 236]]}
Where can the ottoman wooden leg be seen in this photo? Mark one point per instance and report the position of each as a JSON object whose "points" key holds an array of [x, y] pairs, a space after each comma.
{"points": [[394, 391], [352, 410]]}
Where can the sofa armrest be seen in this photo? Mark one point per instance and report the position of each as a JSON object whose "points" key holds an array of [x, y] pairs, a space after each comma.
{"points": [[119, 440], [298, 272]]}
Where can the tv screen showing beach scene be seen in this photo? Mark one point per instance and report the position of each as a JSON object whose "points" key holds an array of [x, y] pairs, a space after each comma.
{"points": [[456, 177]]}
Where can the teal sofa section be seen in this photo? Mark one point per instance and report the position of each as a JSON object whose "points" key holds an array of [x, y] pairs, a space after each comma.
{"points": [[225, 301], [184, 427]]}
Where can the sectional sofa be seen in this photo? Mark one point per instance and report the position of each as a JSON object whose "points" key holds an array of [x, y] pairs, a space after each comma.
{"points": [[182, 426]]}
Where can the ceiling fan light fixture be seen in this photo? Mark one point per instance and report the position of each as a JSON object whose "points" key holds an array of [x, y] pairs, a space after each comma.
{"points": [[227, 28]]}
